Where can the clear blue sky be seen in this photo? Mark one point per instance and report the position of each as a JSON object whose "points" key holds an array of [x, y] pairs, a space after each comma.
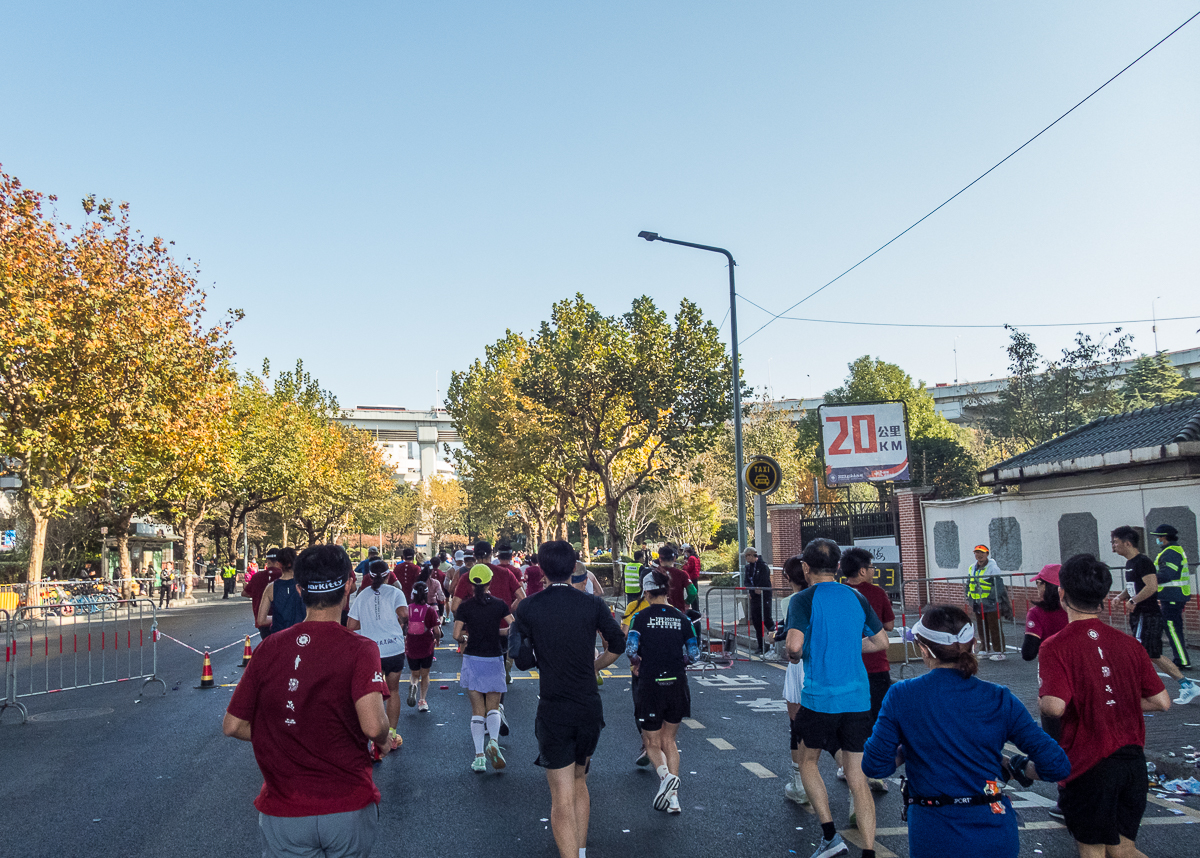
{"points": [[385, 188]]}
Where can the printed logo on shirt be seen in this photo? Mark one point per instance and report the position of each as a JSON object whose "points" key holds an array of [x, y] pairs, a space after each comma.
{"points": [[378, 677], [291, 722], [297, 666], [293, 683], [1030, 624], [1106, 671], [665, 623], [291, 706], [1093, 634], [303, 640]]}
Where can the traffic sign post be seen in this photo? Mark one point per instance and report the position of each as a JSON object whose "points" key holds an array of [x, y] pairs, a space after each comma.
{"points": [[762, 476]]}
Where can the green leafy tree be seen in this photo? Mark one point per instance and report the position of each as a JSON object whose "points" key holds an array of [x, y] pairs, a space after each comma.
{"points": [[688, 513], [1043, 398], [101, 336], [1153, 380], [629, 397]]}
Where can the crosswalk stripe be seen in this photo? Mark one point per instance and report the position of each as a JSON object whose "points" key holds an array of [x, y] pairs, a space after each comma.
{"points": [[760, 770], [721, 745], [693, 723]]}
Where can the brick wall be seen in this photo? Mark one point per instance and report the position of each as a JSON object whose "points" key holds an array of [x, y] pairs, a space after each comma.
{"points": [[786, 541], [912, 544]]}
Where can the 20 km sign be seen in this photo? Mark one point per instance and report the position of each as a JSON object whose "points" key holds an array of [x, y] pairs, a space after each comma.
{"points": [[864, 443]]}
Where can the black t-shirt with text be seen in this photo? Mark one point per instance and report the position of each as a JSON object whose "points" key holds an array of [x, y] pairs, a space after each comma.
{"points": [[1136, 569], [482, 620], [663, 633], [561, 623]]}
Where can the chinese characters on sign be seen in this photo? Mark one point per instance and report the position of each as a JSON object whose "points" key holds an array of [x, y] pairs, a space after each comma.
{"points": [[864, 443]]}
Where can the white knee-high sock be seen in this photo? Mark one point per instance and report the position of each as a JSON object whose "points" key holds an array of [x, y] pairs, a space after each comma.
{"points": [[477, 728], [493, 723]]}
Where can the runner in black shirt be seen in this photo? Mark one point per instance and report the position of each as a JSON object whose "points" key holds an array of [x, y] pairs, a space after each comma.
{"points": [[661, 642], [483, 663], [1146, 620], [561, 625]]}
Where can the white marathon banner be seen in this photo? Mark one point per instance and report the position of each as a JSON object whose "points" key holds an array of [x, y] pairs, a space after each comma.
{"points": [[864, 443]]}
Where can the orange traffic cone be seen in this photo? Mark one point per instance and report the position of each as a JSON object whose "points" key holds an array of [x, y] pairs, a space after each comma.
{"points": [[206, 677], [246, 653]]}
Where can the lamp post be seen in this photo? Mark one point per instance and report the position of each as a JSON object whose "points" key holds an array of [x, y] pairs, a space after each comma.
{"points": [[737, 381]]}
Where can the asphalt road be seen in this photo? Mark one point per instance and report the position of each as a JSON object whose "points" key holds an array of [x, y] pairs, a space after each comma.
{"points": [[100, 771]]}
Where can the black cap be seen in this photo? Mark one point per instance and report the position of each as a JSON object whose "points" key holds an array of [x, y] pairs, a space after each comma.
{"points": [[1166, 531]]}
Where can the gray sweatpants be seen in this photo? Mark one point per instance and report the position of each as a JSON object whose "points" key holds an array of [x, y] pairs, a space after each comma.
{"points": [[331, 835]]}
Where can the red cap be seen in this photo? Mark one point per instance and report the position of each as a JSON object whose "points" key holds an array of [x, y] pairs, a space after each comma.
{"points": [[1049, 574], [982, 548]]}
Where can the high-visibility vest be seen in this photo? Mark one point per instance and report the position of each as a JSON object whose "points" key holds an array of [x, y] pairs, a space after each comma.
{"points": [[228, 572], [979, 587], [633, 577], [1184, 581]]}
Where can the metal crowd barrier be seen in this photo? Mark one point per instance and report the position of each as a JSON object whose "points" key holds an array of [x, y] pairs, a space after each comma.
{"points": [[730, 619], [47, 653]]}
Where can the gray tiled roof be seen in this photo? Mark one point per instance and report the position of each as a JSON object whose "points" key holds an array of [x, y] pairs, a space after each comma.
{"points": [[1147, 427]]}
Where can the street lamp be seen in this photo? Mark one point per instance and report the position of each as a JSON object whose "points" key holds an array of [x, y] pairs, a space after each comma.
{"points": [[737, 384]]}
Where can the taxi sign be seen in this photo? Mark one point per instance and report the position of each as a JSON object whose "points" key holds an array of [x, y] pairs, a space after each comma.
{"points": [[762, 475]]}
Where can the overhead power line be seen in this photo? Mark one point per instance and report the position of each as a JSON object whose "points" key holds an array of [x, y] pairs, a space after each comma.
{"points": [[1006, 325], [979, 178]]}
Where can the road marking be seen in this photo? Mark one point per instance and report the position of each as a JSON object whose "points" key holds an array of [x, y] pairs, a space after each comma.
{"points": [[777, 666], [1170, 805], [721, 745], [855, 837], [1030, 799], [765, 704], [760, 770], [693, 724], [1189, 818]]}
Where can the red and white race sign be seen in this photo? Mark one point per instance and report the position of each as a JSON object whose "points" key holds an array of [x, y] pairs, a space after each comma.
{"points": [[864, 443]]}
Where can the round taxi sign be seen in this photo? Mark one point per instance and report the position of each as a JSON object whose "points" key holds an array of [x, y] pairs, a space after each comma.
{"points": [[762, 475]]}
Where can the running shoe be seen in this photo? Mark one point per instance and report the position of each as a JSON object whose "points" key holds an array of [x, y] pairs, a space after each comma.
{"points": [[1056, 813], [852, 817], [503, 720], [835, 846], [479, 765], [422, 706], [673, 802], [998, 656], [877, 784], [794, 792], [643, 757], [665, 787], [1188, 691], [412, 695], [492, 751], [841, 774]]}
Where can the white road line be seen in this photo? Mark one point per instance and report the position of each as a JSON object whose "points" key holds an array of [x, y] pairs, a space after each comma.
{"points": [[855, 836], [721, 745], [760, 770], [693, 724]]}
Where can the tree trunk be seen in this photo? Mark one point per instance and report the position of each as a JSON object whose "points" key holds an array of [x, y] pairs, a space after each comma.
{"points": [[124, 563], [37, 546], [189, 555], [615, 537], [584, 541], [284, 542]]}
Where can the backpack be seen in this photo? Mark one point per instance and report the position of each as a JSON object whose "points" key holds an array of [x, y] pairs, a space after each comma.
{"points": [[417, 626]]}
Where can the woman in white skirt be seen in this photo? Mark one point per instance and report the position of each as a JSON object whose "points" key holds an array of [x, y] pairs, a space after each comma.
{"points": [[793, 682], [483, 664]]}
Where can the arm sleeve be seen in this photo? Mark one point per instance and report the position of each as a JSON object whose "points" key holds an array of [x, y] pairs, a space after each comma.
{"points": [[879, 754], [1030, 647], [1050, 759], [609, 629]]}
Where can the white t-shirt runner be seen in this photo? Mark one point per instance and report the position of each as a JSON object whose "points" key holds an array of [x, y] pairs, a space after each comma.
{"points": [[376, 613]]}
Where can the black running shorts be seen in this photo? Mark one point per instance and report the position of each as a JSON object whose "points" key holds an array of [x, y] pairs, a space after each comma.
{"points": [[562, 745], [1107, 801], [832, 732], [392, 663], [420, 663], [1148, 629], [657, 702]]}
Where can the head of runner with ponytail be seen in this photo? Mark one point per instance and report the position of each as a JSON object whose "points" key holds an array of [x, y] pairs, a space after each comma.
{"points": [[946, 633], [480, 577], [379, 573]]}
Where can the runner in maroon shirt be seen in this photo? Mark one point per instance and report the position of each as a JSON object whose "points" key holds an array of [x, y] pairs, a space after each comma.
{"points": [[258, 583], [309, 702], [858, 567], [407, 572]]}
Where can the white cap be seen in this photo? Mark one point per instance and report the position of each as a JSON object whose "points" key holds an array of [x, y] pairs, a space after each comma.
{"points": [[648, 583], [458, 555]]}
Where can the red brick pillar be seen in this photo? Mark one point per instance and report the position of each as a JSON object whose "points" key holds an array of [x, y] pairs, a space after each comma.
{"points": [[912, 546], [785, 540]]}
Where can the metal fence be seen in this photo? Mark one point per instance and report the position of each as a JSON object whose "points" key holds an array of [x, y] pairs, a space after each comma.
{"points": [[47, 652]]}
